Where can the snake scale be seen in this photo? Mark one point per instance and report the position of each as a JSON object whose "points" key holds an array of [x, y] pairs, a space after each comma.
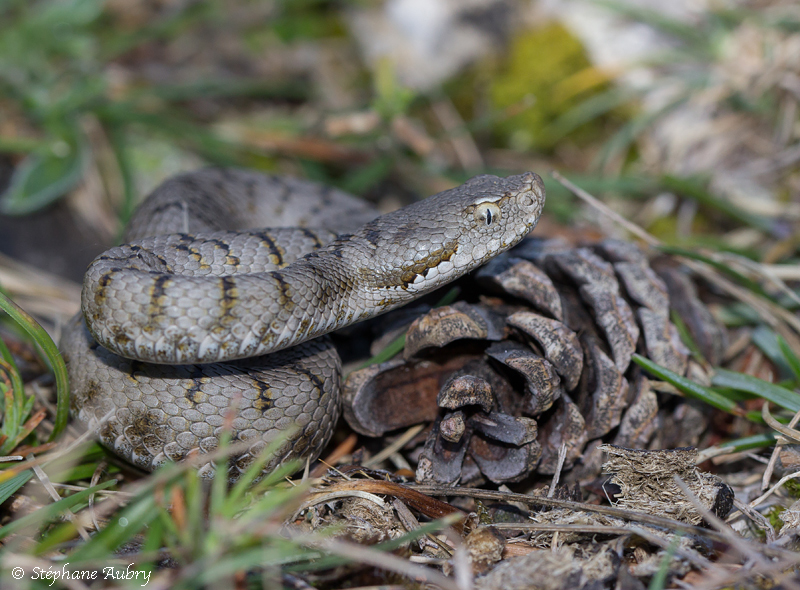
{"points": [[198, 324]]}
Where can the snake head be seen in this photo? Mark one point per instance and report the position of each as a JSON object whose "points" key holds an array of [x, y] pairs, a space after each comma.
{"points": [[433, 242], [498, 214]]}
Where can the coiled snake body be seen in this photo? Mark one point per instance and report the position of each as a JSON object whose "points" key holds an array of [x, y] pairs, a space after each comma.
{"points": [[187, 321]]}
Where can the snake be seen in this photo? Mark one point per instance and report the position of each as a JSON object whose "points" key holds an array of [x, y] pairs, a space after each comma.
{"points": [[198, 327]]}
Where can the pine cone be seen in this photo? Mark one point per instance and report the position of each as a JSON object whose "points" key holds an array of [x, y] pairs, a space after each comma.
{"points": [[542, 360]]}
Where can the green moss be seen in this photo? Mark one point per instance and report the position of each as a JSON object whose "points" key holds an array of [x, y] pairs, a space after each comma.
{"points": [[774, 517], [537, 81], [793, 488]]}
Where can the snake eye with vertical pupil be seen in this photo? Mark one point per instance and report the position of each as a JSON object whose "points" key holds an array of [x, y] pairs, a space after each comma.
{"points": [[487, 213]]}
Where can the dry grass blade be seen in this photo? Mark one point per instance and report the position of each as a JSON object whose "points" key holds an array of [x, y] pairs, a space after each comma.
{"points": [[782, 272], [768, 272], [765, 479], [430, 507], [755, 516], [395, 446], [49, 457], [342, 450], [788, 432], [692, 556], [774, 488], [325, 497], [69, 514], [577, 528], [597, 204], [43, 294]]}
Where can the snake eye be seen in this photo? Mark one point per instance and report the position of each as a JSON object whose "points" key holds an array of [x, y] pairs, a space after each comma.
{"points": [[487, 213]]}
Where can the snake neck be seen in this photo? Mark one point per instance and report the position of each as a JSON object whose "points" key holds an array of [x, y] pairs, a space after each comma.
{"points": [[338, 285], [353, 278], [314, 296]]}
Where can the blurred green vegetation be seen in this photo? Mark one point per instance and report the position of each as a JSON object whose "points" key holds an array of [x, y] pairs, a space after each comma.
{"points": [[67, 66], [56, 69]]}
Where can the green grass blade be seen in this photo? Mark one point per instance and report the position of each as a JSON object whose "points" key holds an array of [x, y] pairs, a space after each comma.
{"points": [[686, 336], [659, 579], [689, 387], [393, 348], [10, 486], [767, 342], [14, 402], [785, 398], [130, 521], [119, 142], [168, 26], [20, 145], [621, 141], [638, 187], [55, 537], [80, 472], [738, 314], [42, 338], [26, 426], [790, 357], [233, 500], [173, 125], [366, 177], [273, 554], [747, 443], [219, 485], [278, 499], [153, 542], [658, 20], [208, 89], [194, 500]]}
